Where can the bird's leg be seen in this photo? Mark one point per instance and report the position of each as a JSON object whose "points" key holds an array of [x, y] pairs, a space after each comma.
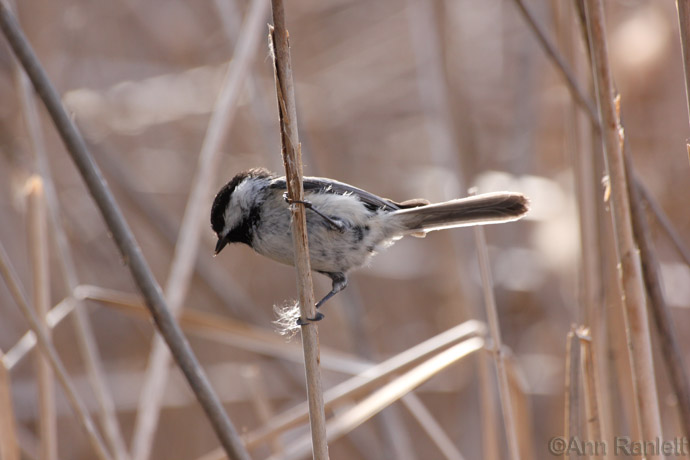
{"points": [[307, 204], [339, 283]]}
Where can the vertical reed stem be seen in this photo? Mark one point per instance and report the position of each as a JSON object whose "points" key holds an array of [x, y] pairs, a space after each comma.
{"points": [[292, 159], [494, 328], [38, 250], [629, 267], [9, 447]]}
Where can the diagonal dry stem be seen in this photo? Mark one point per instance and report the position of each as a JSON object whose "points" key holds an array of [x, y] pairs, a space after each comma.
{"points": [[431, 426], [217, 278], [577, 93], [353, 417], [257, 340], [227, 331], [661, 314], [664, 221], [363, 381], [28, 341], [82, 325], [122, 234]]}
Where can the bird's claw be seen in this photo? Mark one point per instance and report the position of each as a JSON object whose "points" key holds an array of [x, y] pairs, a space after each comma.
{"points": [[307, 204], [303, 322]]}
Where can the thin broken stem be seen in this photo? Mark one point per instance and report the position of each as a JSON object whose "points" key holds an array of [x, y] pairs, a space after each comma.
{"points": [[494, 328], [590, 393]]}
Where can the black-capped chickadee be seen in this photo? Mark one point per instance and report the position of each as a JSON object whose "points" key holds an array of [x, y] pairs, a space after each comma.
{"points": [[346, 225]]}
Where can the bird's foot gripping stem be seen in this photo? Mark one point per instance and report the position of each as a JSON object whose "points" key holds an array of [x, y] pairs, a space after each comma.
{"points": [[307, 204], [317, 317], [339, 283]]}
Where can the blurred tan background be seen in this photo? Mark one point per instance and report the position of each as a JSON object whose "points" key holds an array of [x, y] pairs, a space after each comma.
{"points": [[403, 98]]}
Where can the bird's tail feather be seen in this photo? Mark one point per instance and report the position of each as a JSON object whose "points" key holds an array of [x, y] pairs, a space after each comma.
{"points": [[488, 208]]}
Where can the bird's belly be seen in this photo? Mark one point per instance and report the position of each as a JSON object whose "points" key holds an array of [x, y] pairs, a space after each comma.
{"points": [[330, 249]]}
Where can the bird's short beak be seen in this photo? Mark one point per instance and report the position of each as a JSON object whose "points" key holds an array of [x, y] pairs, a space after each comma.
{"points": [[222, 241]]}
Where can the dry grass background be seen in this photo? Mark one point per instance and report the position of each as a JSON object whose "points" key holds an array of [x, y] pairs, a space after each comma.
{"points": [[403, 98]]}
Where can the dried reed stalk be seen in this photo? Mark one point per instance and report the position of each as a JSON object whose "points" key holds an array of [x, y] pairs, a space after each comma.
{"points": [[227, 331], [494, 328], [664, 221], [234, 333], [82, 326], [9, 446], [28, 341], [292, 159], [186, 248], [444, 148], [260, 399], [363, 381], [216, 276], [353, 417], [576, 92], [661, 314], [578, 96], [684, 24], [521, 405], [571, 422], [591, 293], [630, 272], [487, 400], [431, 427], [78, 407], [122, 234], [590, 393], [38, 254]]}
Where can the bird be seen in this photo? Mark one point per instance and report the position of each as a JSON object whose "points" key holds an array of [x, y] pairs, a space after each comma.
{"points": [[346, 225]]}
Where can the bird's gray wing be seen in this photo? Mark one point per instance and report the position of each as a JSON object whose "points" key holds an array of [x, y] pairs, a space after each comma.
{"points": [[323, 185]]}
